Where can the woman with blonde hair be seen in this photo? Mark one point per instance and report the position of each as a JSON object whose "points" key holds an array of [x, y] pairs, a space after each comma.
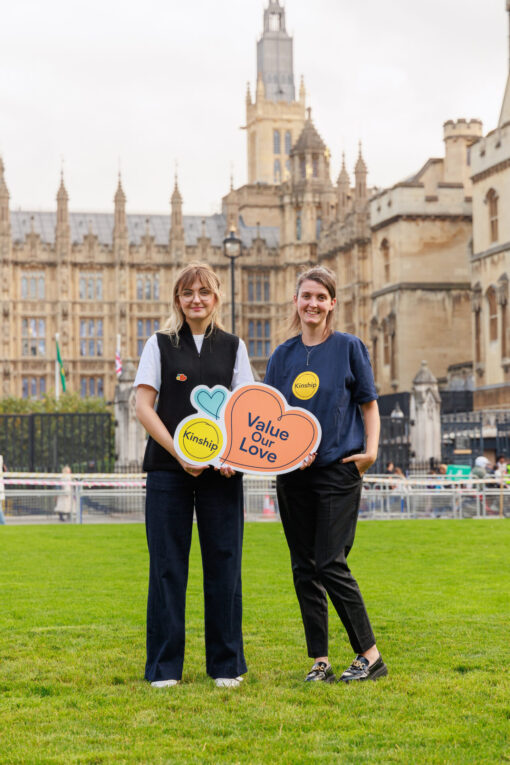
{"points": [[329, 374], [191, 349]]}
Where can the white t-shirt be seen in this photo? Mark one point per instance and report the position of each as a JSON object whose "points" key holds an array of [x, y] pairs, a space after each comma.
{"points": [[149, 367]]}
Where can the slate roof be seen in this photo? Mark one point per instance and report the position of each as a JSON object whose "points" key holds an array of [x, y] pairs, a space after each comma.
{"points": [[159, 227]]}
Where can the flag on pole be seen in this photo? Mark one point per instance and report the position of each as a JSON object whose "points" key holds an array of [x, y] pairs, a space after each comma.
{"points": [[59, 367], [118, 360]]}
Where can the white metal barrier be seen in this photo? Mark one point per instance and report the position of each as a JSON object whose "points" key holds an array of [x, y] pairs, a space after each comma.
{"points": [[95, 498]]}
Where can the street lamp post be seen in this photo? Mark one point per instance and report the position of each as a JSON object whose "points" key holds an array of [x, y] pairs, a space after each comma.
{"points": [[232, 249]]}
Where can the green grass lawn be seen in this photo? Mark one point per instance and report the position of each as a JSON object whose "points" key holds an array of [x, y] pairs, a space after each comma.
{"points": [[72, 653]]}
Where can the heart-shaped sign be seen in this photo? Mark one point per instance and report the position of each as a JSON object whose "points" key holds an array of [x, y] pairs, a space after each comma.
{"points": [[264, 435], [210, 400]]}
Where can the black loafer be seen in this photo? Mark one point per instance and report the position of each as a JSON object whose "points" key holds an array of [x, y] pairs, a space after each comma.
{"points": [[360, 669], [320, 673]]}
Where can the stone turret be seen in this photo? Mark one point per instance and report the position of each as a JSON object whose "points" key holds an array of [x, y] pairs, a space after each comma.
{"points": [[458, 136], [309, 156]]}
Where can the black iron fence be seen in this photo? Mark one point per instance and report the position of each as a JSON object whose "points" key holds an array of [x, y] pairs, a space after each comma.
{"points": [[394, 444], [46, 442], [467, 435]]}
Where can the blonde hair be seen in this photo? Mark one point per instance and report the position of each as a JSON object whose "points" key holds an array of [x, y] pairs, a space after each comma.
{"points": [[185, 279], [321, 275]]}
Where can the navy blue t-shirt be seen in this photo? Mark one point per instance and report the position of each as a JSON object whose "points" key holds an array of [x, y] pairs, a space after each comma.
{"points": [[336, 380]]}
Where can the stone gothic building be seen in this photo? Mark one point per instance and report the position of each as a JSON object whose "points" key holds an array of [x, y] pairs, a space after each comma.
{"points": [[490, 261], [410, 266]]}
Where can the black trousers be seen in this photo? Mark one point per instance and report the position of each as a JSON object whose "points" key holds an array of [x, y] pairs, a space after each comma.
{"points": [[319, 511], [170, 500]]}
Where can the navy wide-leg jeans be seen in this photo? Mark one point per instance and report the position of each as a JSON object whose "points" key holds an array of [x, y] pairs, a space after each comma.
{"points": [[171, 498]]}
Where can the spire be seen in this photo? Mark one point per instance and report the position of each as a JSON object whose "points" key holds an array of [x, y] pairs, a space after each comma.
{"points": [[302, 90], [342, 191], [4, 191], [360, 164], [275, 55], [343, 177], [62, 208], [176, 222], [309, 140], [62, 194], [4, 201], [360, 172], [504, 117], [176, 197], [120, 197], [120, 226]]}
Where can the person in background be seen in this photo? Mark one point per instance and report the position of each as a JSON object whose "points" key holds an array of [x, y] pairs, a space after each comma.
{"points": [[191, 349], [481, 468], [63, 507], [319, 503], [500, 468]]}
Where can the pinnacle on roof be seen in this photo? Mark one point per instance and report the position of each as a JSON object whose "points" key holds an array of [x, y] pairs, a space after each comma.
{"points": [[424, 375], [176, 194], [309, 140], [360, 164], [504, 117], [343, 177], [119, 194], [3, 186], [62, 194]]}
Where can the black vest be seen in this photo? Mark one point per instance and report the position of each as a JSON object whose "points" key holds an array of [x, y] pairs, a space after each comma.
{"points": [[182, 368]]}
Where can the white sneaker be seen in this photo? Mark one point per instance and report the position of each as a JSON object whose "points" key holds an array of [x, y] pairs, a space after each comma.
{"points": [[228, 682], [164, 683]]}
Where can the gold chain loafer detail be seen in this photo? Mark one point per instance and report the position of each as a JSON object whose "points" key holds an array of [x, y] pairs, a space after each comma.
{"points": [[360, 669], [320, 672]]}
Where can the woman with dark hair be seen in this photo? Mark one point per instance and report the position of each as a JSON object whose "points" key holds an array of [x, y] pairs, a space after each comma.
{"points": [[190, 350], [329, 374]]}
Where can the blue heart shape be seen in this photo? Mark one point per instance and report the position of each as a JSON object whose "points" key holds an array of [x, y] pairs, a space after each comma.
{"points": [[210, 403]]}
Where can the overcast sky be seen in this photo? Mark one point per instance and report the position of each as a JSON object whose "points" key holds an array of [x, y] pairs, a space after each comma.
{"points": [[99, 82]]}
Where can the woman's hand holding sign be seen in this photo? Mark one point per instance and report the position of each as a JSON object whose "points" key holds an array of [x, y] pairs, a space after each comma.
{"points": [[251, 429]]}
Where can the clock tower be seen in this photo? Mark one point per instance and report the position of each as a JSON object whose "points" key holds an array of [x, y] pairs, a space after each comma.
{"points": [[274, 120]]}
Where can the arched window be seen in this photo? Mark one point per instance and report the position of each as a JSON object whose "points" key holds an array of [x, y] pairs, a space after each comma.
{"points": [[139, 288], [492, 304], [386, 342], [492, 202], [503, 302], [288, 142], [302, 167], [385, 252], [276, 142], [298, 227], [315, 166], [277, 172], [318, 227]]}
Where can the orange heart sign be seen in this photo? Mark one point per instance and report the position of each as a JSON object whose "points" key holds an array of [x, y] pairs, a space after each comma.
{"points": [[251, 429], [264, 434]]}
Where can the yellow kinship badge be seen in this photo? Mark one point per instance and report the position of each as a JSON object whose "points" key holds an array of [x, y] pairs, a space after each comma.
{"points": [[305, 385], [200, 440]]}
